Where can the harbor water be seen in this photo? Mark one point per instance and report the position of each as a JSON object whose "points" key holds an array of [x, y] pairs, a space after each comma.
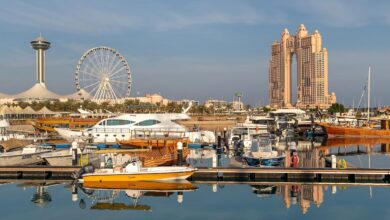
{"points": [[19, 201], [60, 199]]}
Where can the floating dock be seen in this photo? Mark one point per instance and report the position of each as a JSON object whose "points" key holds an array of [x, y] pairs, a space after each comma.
{"points": [[293, 174], [350, 175]]}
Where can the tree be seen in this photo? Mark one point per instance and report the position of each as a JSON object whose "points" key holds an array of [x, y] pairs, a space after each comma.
{"points": [[336, 107], [266, 109]]}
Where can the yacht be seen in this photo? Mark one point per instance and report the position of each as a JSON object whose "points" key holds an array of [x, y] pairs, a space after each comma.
{"points": [[130, 126]]}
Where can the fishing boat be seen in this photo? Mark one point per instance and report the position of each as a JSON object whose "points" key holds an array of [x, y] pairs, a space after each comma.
{"points": [[73, 123], [341, 131], [153, 142], [28, 155], [134, 171], [366, 131]]}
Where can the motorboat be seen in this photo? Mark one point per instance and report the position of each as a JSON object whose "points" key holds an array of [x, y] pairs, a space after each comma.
{"points": [[133, 171], [130, 126], [28, 155], [257, 159], [144, 186], [263, 156]]}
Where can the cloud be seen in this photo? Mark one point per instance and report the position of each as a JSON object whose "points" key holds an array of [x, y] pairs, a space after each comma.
{"points": [[337, 13], [79, 17]]}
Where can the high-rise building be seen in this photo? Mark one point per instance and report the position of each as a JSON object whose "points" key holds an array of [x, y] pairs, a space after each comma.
{"points": [[312, 71]]}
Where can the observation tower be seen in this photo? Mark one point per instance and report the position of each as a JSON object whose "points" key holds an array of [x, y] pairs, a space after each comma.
{"points": [[40, 44]]}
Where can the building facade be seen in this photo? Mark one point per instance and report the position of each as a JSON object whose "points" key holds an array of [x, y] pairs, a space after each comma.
{"points": [[312, 71]]}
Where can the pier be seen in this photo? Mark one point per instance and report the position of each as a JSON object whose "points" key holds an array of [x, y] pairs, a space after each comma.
{"points": [[34, 172], [244, 175], [292, 174]]}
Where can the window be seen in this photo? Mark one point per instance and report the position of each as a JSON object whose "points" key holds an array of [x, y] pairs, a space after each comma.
{"points": [[115, 122], [148, 122]]}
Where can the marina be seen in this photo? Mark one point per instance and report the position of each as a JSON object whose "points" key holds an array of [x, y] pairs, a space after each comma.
{"points": [[194, 110]]}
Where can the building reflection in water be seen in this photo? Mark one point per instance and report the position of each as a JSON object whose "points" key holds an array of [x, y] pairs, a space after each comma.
{"points": [[302, 195], [41, 198]]}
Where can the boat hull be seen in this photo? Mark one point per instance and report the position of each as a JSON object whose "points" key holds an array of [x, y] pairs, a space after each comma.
{"points": [[142, 185], [340, 131], [24, 159], [158, 143], [118, 177]]}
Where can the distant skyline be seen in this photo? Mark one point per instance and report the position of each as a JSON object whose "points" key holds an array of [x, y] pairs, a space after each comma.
{"points": [[196, 49]]}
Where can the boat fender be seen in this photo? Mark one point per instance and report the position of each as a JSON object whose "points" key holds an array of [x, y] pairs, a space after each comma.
{"points": [[342, 164]]}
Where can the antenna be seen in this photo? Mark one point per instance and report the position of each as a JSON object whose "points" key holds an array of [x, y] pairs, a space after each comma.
{"points": [[368, 94]]}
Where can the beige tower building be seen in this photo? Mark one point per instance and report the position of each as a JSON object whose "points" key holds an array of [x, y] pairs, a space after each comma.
{"points": [[312, 71]]}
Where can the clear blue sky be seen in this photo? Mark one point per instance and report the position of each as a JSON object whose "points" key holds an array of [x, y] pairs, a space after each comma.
{"points": [[195, 49]]}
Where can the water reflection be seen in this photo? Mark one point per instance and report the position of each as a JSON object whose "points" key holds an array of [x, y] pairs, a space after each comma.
{"points": [[104, 195], [303, 153], [145, 197]]}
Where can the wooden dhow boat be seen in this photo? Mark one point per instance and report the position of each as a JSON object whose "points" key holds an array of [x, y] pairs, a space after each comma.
{"points": [[134, 171], [154, 142], [366, 131], [343, 131]]}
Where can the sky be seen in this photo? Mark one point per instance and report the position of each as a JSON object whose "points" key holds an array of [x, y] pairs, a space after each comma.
{"points": [[197, 49]]}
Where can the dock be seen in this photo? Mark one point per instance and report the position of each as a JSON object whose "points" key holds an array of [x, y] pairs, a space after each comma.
{"points": [[292, 174], [232, 174], [39, 171]]}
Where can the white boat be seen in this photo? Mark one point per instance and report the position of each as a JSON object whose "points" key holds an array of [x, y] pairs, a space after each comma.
{"points": [[128, 126], [242, 135], [134, 171], [63, 157], [28, 155]]}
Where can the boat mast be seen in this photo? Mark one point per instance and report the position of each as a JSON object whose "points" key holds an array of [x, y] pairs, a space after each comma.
{"points": [[368, 94]]}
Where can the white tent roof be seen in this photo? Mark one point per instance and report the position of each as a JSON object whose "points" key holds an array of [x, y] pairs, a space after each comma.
{"points": [[38, 91], [81, 94], [28, 111], [46, 111]]}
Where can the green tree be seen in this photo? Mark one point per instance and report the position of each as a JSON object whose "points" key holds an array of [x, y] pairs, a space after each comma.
{"points": [[336, 107]]}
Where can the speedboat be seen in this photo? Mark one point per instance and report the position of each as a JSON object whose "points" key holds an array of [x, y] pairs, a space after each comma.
{"points": [[264, 156], [28, 155], [133, 171]]}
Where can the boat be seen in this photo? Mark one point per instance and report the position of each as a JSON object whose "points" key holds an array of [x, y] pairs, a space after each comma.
{"points": [[145, 186], [153, 142], [264, 156], [49, 124], [64, 157], [366, 131], [28, 155], [256, 160], [341, 131], [133, 171], [130, 126]]}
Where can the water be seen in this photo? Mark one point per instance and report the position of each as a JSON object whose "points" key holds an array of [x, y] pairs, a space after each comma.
{"points": [[228, 202], [54, 200]]}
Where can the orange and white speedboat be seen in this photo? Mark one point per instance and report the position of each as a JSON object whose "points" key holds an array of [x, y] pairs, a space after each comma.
{"points": [[134, 171]]}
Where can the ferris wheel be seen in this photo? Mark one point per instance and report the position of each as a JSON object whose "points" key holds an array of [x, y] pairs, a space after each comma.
{"points": [[104, 73]]}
